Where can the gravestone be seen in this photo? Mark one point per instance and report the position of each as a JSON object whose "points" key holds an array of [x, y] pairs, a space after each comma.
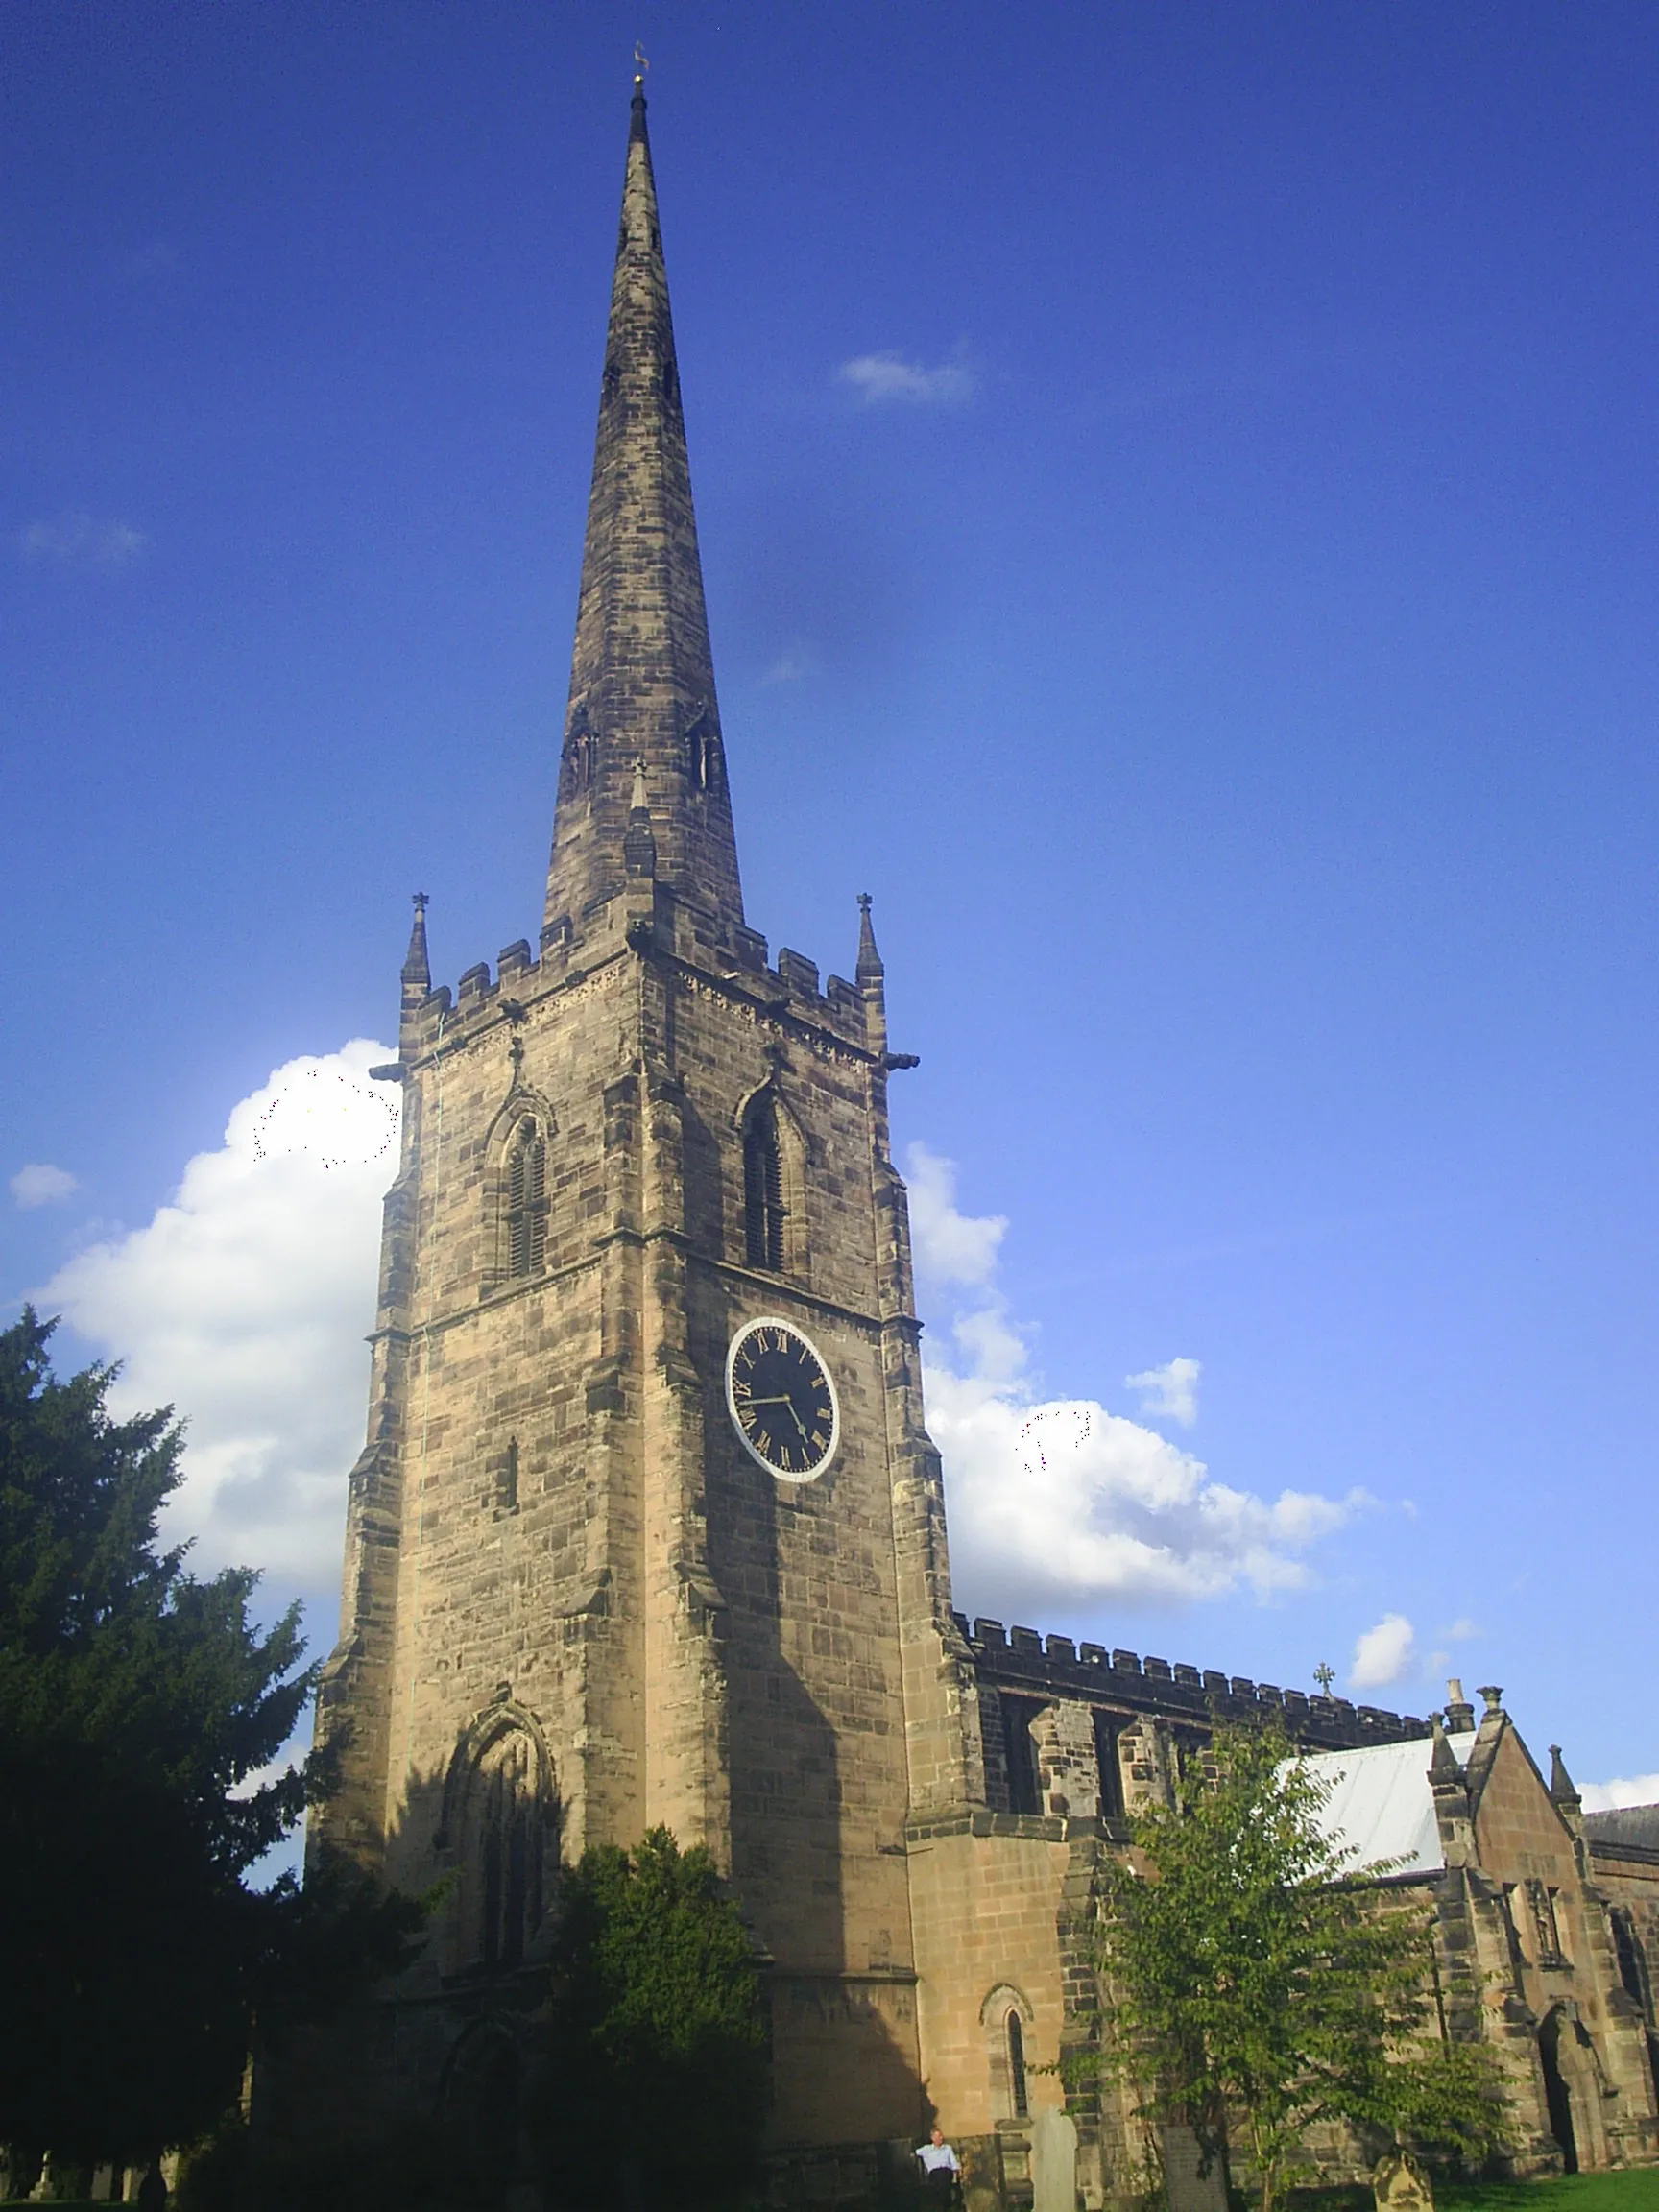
{"points": [[1188, 2188], [1053, 2161], [1400, 2184]]}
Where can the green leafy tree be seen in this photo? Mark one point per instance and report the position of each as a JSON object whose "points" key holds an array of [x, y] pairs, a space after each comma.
{"points": [[139, 1708], [1252, 1985], [655, 2084]]}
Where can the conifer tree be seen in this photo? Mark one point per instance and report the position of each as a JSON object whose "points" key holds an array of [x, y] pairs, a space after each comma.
{"points": [[139, 1707], [654, 2086]]}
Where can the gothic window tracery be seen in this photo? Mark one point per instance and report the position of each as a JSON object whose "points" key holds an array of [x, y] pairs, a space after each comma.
{"points": [[501, 1853]]}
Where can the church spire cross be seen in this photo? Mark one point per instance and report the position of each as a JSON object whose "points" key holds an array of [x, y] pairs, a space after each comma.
{"points": [[642, 674]]}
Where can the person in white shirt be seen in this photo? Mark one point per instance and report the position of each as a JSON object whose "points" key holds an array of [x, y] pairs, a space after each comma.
{"points": [[939, 2170]]}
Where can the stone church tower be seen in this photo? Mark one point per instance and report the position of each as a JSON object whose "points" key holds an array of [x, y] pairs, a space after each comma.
{"points": [[648, 1530], [614, 1557]]}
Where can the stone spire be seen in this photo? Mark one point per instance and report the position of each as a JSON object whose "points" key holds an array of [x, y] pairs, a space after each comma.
{"points": [[641, 676]]}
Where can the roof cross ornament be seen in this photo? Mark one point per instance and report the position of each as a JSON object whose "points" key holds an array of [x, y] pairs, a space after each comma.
{"points": [[1325, 1674]]}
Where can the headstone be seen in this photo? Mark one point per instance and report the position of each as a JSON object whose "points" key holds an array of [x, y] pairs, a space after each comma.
{"points": [[1187, 2187], [1400, 2184], [1053, 2161]]}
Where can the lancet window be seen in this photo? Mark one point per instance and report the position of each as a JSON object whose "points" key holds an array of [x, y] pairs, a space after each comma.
{"points": [[763, 1209], [526, 1196], [1016, 2091]]}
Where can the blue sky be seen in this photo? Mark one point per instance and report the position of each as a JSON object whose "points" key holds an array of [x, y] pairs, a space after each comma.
{"points": [[1177, 495]]}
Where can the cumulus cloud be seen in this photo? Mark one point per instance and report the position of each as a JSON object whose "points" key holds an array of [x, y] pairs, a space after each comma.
{"points": [[880, 378], [244, 1302], [42, 1184], [1383, 1654], [1170, 1392], [1058, 1502], [950, 1247], [1616, 1797], [77, 541]]}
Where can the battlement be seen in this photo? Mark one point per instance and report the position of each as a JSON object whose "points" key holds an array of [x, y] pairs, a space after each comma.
{"points": [[1027, 1664], [737, 955]]}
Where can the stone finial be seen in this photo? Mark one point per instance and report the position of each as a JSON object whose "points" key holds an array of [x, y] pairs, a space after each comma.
{"points": [[1443, 1764], [1494, 1698], [416, 970], [869, 968], [1561, 1786], [1459, 1713]]}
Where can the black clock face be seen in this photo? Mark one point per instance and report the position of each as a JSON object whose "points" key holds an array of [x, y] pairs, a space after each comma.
{"points": [[781, 1399]]}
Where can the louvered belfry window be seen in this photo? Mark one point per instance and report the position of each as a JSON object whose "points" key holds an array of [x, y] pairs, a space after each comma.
{"points": [[527, 1202], [764, 1191]]}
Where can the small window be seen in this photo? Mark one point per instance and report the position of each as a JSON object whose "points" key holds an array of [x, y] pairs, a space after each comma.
{"points": [[764, 1191], [1632, 1963], [527, 1202], [1019, 1751], [1107, 1727], [1016, 2066], [507, 1479]]}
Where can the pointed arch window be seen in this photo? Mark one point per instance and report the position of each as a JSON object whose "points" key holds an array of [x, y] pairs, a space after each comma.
{"points": [[526, 1190], [763, 1209], [503, 1852]]}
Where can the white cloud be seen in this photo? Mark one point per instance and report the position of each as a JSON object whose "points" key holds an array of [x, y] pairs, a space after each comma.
{"points": [[1383, 1654], [1170, 1392], [1615, 1796], [791, 666], [41, 1185], [245, 1302], [1460, 1632], [1058, 1502], [949, 1246], [77, 541], [880, 378]]}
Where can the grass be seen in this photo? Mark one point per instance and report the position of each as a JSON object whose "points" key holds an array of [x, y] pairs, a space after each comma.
{"points": [[1635, 2190]]}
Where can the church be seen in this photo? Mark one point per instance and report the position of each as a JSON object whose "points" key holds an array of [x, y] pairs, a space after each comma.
{"points": [[648, 1528]]}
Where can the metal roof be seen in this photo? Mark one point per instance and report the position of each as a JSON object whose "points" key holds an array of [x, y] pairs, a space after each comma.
{"points": [[1380, 1805]]}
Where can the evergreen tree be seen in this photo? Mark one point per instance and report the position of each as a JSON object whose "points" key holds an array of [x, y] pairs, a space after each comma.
{"points": [[655, 2083], [1254, 1987], [139, 1707]]}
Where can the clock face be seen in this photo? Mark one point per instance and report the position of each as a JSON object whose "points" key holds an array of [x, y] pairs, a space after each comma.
{"points": [[781, 1399]]}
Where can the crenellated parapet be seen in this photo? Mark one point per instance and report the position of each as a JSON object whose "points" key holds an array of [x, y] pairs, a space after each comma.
{"points": [[731, 964], [1021, 1663]]}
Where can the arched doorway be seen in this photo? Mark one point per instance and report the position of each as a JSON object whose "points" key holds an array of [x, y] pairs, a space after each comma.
{"points": [[1557, 2095], [481, 2105]]}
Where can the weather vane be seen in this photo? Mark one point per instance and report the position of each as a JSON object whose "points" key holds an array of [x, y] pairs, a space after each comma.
{"points": [[641, 65]]}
